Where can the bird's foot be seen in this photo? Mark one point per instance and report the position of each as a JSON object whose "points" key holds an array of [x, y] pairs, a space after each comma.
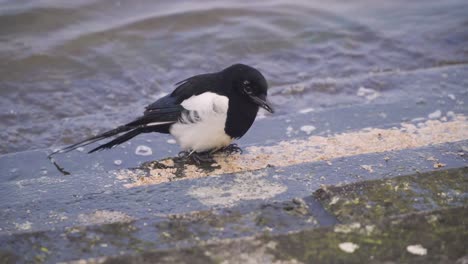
{"points": [[231, 149], [197, 158], [202, 158], [183, 154]]}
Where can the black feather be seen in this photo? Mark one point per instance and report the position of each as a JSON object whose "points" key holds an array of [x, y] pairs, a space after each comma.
{"points": [[91, 140], [165, 111], [119, 140]]}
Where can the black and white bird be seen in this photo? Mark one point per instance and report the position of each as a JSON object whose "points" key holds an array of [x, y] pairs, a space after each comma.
{"points": [[204, 113]]}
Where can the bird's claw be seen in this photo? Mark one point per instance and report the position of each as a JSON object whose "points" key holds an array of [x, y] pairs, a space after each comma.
{"points": [[231, 149], [207, 157], [203, 158], [197, 158], [183, 154]]}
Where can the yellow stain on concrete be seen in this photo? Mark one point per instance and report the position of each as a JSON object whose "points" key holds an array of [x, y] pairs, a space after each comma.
{"points": [[316, 148]]}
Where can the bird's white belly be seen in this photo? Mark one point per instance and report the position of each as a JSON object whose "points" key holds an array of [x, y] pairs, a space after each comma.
{"points": [[202, 128]]}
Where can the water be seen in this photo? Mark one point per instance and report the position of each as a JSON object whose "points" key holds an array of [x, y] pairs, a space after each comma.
{"points": [[72, 68]]}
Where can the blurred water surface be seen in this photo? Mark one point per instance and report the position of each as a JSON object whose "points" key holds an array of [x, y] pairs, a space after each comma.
{"points": [[72, 68]]}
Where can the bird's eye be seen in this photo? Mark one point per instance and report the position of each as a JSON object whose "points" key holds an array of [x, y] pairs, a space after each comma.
{"points": [[247, 88]]}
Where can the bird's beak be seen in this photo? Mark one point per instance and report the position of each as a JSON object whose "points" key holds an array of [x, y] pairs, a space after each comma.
{"points": [[262, 102]]}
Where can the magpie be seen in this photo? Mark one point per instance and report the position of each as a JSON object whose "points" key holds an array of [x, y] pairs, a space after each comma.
{"points": [[204, 113]]}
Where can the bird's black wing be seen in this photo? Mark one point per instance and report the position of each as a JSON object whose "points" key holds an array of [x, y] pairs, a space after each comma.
{"points": [[196, 85], [164, 110]]}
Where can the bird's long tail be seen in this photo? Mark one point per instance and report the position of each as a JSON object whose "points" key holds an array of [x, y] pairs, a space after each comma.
{"points": [[121, 139], [91, 140]]}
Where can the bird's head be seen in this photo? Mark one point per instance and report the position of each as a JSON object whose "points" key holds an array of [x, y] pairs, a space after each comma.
{"points": [[249, 83]]}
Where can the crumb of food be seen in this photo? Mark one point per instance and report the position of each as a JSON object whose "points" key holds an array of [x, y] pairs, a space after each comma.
{"points": [[24, 226], [143, 150], [435, 115], [306, 110], [367, 168], [367, 93], [307, 129], [313, 149]]}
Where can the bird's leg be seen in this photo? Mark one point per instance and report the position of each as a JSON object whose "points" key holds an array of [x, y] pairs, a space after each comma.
{"points": [[204, 157], [198, 158], [231, 149]]}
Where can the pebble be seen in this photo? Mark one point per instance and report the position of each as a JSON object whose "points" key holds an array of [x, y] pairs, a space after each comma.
{"points": [[171, 141], [117, 162]]}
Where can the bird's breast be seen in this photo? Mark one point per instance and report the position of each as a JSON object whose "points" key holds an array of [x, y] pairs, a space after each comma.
{"points": [[202, 127]]}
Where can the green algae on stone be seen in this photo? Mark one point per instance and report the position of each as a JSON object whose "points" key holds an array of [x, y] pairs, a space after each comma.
{"points": [[443, 233], [373, 200]]}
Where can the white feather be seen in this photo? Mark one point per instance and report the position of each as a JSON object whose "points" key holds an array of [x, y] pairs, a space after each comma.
{"points": [[158, 123], [202, 128]]}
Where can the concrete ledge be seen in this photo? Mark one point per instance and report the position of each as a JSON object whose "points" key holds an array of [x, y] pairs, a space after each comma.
{"points": [[381, 217]]}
